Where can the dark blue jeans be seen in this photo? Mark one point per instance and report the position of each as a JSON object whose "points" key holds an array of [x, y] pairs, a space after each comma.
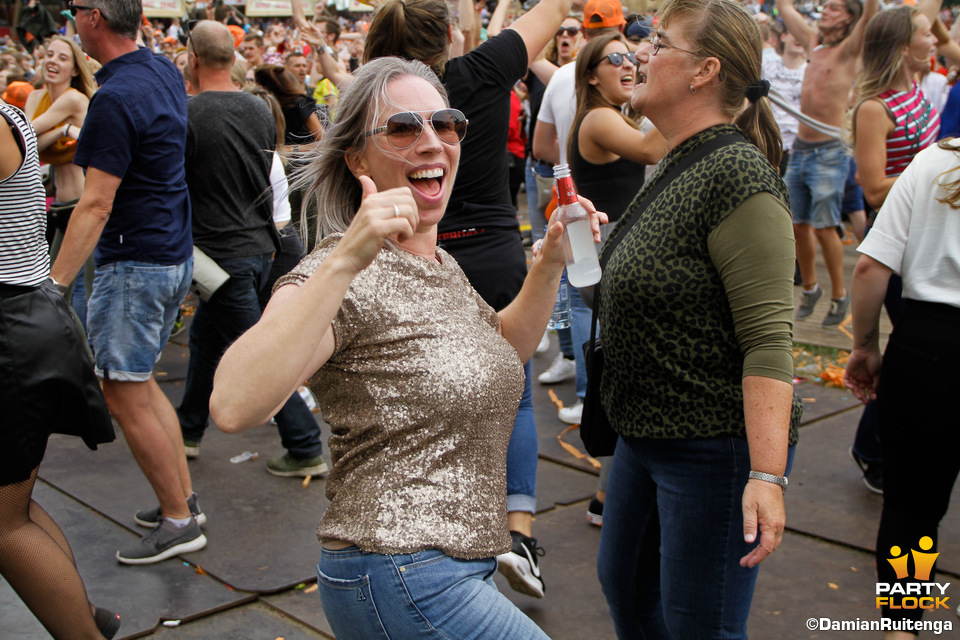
{"points": [[233, 309], [672, 539]]}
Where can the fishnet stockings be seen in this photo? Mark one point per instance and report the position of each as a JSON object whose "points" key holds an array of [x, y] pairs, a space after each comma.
{"points": [[36, 560]]}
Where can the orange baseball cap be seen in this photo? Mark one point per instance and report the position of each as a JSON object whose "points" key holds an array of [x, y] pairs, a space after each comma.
{"points": [[238, 34], [16, 94], [603, 13]]}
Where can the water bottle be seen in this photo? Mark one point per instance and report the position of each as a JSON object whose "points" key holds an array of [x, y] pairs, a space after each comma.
{"points": [[561, 316], [579, 249]]}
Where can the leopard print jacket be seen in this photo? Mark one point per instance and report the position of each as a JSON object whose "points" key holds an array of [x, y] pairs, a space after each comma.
{"points": [[673, 368]]}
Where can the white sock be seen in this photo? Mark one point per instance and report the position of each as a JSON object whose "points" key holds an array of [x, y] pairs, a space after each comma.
{"points": [[179, 523], [816, 288]]}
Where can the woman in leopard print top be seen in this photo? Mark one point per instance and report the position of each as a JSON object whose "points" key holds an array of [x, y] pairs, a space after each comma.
{"points": [[695, 318]]}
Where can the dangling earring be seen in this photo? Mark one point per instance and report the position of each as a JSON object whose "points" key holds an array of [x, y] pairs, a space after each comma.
{"points": [[692, 90]]}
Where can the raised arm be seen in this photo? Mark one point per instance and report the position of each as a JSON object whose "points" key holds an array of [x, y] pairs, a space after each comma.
{"points": [[294, 337], [796, 24], [333, 69], [495, 26], [854, 42], [540, 24]]}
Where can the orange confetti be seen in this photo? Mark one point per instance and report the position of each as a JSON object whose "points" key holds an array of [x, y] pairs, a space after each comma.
{"points": [[306, 481], [574, 451], [833, 585], [199, 570], [311, 588], [554, 399]]}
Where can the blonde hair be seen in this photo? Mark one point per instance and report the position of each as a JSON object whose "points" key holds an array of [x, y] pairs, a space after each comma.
{"points": [[723, 29], [886, 34], [330, 188], [84, 81]]}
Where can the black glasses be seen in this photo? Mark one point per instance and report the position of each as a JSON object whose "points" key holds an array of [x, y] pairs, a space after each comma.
{"points": [[568, 31], [74, 8], [616, 59], [403, 129], [660, 44]]}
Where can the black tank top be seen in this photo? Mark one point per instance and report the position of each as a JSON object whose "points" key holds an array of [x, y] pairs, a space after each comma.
{"points": [[611, 186]]}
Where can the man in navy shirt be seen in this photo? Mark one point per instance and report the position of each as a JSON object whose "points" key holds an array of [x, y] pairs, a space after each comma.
{"points": [[135, 210]]}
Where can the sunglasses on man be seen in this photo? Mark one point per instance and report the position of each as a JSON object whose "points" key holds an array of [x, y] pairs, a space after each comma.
{"points": [[568, 31], [74, 8]]}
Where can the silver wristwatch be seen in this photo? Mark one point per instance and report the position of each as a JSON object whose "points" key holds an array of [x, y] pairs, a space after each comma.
{"points": [[769, 477]]}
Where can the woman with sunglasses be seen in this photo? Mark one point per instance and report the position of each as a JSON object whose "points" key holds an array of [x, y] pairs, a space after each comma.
{"points": [[480, 227], [695, 312], [418, 377], [607, 152]]}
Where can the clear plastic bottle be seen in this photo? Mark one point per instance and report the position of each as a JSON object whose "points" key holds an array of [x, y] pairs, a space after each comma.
{"points": [[583, 266], [561, 316]]}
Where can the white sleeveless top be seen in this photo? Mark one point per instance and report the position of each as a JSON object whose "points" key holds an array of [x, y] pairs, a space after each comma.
{"points": [[24, 257]]}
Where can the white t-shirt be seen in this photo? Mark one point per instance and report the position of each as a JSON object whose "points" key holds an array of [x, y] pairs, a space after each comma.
{"points": [[935, 90], [559, 106], [789, 83], [916, 235]]}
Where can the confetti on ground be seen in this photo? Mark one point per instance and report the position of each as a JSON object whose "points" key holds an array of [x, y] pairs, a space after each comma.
{"points": [[574, 451], [306, 481], [311, 588], [554, 399], [833, 585], [819, 365], [199, 570]]}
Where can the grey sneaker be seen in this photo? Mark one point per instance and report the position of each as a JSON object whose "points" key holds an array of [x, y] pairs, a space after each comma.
{"points": [[151, 517], [286, 466], [191, 448], [807, 302], [164, 542], [838, 311]]}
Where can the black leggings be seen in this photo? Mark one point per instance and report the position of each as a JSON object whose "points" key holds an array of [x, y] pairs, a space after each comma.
{"points": [[919, 434]]}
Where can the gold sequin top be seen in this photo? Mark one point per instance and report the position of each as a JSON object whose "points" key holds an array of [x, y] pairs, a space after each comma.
{"points": [[421, 393]]}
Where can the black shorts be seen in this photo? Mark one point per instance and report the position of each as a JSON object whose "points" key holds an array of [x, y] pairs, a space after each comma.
{"points": [[47, 384]]}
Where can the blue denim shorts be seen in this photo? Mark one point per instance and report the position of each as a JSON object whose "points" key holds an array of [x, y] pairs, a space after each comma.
{"points": [[852, 193], [816, 178], [130, 315], [427, 594]]}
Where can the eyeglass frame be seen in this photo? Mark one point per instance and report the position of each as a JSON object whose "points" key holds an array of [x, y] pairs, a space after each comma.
{"points": [[423, 125], [74, 8], [658, 44], [566, 31], [624, 55]]}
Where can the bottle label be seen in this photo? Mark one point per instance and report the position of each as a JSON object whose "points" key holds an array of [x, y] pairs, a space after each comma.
{"points": [[566, 193]]}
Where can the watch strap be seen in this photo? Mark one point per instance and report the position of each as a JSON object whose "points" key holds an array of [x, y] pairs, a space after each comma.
{"points": [[769, 477]]}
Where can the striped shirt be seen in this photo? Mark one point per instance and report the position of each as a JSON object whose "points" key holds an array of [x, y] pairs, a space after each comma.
{"points": [[916, 125], [24, 257]]}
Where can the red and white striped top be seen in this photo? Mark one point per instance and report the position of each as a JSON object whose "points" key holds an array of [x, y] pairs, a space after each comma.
{"points": [[916, 126]]}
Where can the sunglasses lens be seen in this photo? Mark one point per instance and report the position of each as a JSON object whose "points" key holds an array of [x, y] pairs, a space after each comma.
{"points": [[616, 59], [403, 129], [450, 125]]}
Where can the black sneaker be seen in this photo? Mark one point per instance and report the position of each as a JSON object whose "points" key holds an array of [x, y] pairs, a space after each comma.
{"points": [[595, 512], [151, 517], [107, 622], [520, 565], [872, 473], [164, 541]]}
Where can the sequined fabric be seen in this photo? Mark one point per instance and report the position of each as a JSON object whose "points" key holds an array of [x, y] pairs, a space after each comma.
{"points": [[421, 393]]}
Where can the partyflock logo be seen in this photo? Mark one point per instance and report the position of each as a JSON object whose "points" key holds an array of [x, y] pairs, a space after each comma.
{"points": [[919, 593]]}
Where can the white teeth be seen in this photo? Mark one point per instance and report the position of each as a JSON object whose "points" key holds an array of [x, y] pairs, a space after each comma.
{"points": [[426, 173]]}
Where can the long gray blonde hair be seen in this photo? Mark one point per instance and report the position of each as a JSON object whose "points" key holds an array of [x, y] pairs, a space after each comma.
{"points": [[332, 194]]}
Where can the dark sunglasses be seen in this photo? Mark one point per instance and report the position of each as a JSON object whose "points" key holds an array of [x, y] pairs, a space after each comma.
{"points": [[74, 8], [568, 31], [616, 59], [404, 129]]}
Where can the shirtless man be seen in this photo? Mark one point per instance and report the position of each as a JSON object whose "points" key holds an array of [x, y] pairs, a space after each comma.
{"points": [[819, 163]]}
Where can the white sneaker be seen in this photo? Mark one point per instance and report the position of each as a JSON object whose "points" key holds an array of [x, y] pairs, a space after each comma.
{"points": [[544, 345], [561, 369], [571, 415]]}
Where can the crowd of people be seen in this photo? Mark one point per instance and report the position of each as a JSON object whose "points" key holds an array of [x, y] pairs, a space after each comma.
{"points": [[342, 192]]}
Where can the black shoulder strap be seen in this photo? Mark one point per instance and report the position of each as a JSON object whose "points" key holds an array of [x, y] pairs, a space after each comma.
{"points": [[665, 180], [685, 163]]}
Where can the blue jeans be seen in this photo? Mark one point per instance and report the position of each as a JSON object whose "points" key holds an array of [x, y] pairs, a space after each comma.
{"points": [[427, 594], [233, 309], [816, 179], [130, 314], [672, 539], [579, 333], [522, 453]]}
